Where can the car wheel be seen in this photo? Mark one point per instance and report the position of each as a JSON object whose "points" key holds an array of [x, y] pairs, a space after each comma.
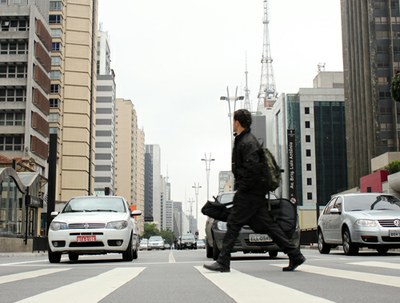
{"points": [[348, 247], [127, 255], [73, 257], [322, 246], [382, 250], [209, 250], [54, 257], [272, 254], [215, 251]]}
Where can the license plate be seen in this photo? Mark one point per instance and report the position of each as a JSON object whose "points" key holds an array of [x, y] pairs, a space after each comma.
{"points": [[85, 238], [259, 238], [394, 233]]}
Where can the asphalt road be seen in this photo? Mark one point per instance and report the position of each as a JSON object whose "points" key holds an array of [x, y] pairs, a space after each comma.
{"points": [[178, 276]]}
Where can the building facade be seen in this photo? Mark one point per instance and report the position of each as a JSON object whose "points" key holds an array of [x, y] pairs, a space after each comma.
{"points": [[152, 184], [73, 75], [105, 119], [371, 56]]}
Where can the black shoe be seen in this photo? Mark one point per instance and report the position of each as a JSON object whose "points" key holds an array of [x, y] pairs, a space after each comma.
{"points": [[217, 267], [294, 263]]}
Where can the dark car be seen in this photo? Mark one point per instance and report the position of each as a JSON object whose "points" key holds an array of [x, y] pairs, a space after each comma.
{"points": [[187, 241], [248, 241], [357, 220]]}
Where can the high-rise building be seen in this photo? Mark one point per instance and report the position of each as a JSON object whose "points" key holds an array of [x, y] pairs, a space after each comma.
{"points": [[73, 100], [309, 143], [25, 63], [139, 183], [105, 118], [152, 184], [371, 56], [125, 149]]}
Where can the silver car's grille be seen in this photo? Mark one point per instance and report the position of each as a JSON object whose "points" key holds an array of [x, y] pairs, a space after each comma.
{"points": [[86, 225], [389, 222]]}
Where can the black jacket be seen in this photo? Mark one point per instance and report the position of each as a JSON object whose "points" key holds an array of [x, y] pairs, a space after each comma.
{"points": [[247, 165]]}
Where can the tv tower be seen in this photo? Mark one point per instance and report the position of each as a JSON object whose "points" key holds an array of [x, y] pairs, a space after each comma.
{"points": [[267, 94], [247, 103]]}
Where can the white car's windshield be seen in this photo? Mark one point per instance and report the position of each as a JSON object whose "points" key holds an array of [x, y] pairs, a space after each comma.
{"points": [[111, 204], [370, 202]]}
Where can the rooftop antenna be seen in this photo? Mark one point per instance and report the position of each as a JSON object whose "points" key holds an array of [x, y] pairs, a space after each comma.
{"points": [[267, 94], [247, 103]]}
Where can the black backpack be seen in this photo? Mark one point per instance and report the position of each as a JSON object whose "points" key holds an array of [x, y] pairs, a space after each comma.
{"points": [[272, 169]]}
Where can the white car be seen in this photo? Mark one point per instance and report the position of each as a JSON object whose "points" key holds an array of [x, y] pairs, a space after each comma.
{"points": [[156, 242], [94, 225]]}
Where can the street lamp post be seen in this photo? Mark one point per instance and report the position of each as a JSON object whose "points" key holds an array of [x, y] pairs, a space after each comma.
{"points": [[208, 165], [228, 98], [196, 191]]}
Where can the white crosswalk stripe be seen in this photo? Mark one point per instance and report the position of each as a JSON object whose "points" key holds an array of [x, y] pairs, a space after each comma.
{"points": [[246, 288], [352, 275], [377, 264], [89, 290], [30, 274]]}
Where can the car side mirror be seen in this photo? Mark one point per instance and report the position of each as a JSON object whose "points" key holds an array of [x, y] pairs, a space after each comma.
{"points": [[335, 211], [136, 212], [54, 214]]}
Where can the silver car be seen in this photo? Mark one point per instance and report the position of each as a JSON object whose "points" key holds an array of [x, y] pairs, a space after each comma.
{"points": [[360, 220]]}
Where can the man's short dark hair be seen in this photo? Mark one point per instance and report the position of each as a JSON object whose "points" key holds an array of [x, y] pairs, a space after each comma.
{"points": [[244, 117]]}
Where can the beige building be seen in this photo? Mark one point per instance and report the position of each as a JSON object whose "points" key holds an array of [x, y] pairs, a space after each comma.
{"points": [[129, 156], [74, 30]]}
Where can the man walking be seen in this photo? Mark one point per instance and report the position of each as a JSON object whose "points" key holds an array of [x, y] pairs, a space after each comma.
{"points": [[249, 202]]}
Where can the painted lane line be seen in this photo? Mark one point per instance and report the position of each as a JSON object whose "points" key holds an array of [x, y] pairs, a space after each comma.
{"points": [[243, 288], [171, 258], [351, 275], [90, 290], [30, 274]]}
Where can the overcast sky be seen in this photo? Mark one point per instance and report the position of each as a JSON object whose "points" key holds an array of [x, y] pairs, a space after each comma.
{"points": [[175, 58]]}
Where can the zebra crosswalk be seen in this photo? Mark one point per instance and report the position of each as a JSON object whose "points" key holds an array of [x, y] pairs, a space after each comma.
{"points": [[241, 286]]}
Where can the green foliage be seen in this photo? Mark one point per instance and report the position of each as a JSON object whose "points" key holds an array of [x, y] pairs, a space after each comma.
{"points": [[395, 87], [150, 229], [393, 167]]}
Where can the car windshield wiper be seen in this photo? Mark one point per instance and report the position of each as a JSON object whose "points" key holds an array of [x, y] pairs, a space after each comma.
{"points": [[75, 211], [107, 210]]}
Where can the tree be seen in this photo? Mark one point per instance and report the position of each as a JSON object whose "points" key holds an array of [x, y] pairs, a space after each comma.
{"points": [[395, 87], [150, 229], [168, 235], [393, 167]]}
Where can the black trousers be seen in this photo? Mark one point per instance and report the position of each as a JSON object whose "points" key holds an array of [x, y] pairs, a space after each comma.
{"points": [[251, 209]]}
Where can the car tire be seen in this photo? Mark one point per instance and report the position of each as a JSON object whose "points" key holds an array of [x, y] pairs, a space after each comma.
{"points": [[73, 257], [349, 248], [209, 250], [382, 250], [273, 254], [127, 255], [322, 246], [215, 251], [54, 257]]}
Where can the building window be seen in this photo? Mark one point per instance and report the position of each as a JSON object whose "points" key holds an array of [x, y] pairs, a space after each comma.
{"points": [[13, 48], [309, 196], [56, 5], [54, 102], [308, 166], [54, 75], [56, 32], [12, 95], [309, 181], [14, 25], [55, 46], [306, 110], [11, 143], [308, 152], [55, 88], [13, 71], [53, 117], [307, 124], [308, 138], [55, 19], [55, 60], [12, 119]]}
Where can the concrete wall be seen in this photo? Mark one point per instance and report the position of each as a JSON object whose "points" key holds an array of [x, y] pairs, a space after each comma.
{"points": [[15, 245]]}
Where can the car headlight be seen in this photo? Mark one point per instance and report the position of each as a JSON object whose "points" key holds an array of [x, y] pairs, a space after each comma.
{"points": [[117, 224], [222, 225], [366, 223], [58, 225]]}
